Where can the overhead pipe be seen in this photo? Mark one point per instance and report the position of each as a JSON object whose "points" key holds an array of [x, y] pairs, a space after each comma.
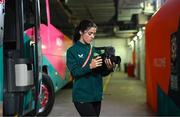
{"points": [[116, 5]]}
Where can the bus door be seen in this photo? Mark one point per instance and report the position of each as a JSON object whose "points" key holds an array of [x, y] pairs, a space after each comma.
{"points": [[2, 5], [21, 60]]}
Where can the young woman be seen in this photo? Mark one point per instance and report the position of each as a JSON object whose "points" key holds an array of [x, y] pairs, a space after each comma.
{"points": [[87, 89]]}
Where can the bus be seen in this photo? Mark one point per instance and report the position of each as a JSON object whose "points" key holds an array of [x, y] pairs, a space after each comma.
{"points": [[33, 64]]}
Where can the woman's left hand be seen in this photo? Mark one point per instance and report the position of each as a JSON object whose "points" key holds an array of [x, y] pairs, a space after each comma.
{"points": [[109, 64]]}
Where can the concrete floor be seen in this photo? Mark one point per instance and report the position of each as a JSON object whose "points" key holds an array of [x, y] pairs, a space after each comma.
{"points": [[0, 109], [123, 97]]}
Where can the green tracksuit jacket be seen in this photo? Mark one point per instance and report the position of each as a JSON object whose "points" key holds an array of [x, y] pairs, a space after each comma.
{"points": [[87, 86]]}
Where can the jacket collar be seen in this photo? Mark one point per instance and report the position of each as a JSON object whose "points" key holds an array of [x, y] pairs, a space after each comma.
{"points": [[82, 44]]}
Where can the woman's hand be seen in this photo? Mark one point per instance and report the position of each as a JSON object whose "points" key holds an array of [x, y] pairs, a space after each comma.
{"points": [[96, 62], [109, 64]]}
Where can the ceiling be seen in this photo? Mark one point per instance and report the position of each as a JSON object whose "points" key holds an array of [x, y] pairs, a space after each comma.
{"points": [[113, 17]]}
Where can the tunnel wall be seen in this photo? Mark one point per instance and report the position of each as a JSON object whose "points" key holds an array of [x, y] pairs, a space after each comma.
{"points": [[159, 62]]}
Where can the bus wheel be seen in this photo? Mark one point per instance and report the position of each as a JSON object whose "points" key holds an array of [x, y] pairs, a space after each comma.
{"points": [[46, 96]]}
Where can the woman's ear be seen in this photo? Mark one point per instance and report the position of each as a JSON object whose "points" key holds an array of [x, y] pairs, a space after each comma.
{"points": [[80, 32]]}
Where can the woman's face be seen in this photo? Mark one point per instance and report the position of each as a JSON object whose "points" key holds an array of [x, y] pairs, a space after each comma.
{"points": [[88, 35]]}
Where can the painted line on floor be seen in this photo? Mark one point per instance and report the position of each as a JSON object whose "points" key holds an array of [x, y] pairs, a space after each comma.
{"points": [[106, 83]]}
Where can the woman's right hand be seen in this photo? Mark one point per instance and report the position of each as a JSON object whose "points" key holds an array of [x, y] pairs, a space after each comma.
{"points": [[96, 62]]}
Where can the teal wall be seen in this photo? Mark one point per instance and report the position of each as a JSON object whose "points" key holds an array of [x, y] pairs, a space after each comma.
{"points": [[166, 106], [1, 74]]}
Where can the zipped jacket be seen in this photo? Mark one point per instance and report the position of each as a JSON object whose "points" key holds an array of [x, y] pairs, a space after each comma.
{"points": [[87, 84]]}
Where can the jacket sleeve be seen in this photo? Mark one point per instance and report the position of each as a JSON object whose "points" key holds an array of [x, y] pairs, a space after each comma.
{"points": [[72, 64]]}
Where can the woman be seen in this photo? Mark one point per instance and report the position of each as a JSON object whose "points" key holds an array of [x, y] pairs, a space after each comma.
{"points": [[87, 89]]}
